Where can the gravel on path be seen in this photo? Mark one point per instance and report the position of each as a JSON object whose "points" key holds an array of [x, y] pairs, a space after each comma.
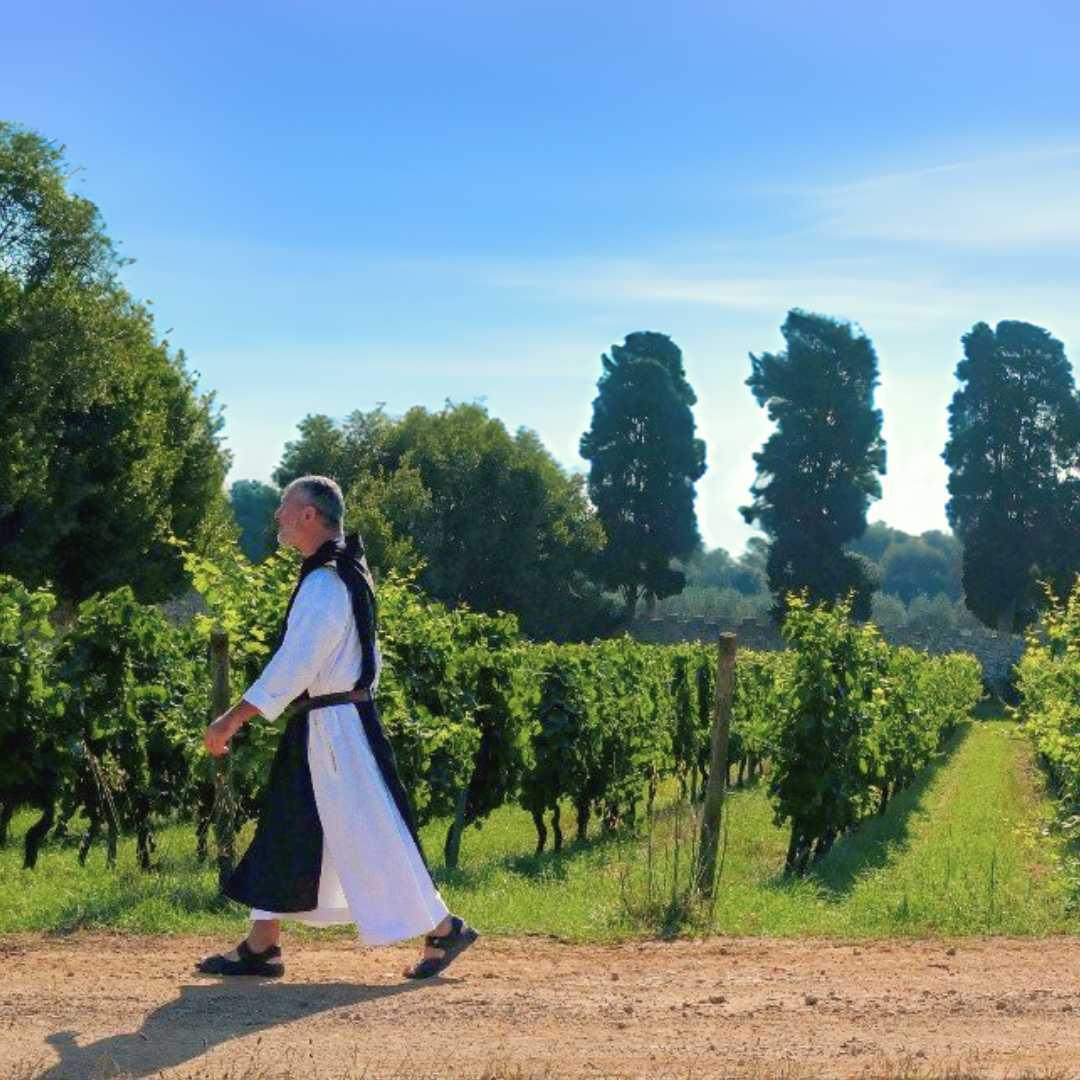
{"points": [[108, 1005]]}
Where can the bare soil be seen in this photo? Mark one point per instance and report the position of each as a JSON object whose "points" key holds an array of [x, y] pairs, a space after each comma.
{"points": [[110, 1005]]}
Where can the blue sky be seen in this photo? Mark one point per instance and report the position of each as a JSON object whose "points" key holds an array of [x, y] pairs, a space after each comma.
{"points": [[337, 205]]}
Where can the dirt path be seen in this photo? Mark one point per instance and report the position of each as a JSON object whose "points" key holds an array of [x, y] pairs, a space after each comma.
{"points": [[99, 1006]]}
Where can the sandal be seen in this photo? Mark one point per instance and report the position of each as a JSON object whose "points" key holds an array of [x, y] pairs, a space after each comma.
{"points": [[452, 944], [250, 963]]}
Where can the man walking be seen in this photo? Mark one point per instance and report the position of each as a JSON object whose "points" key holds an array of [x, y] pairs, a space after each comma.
{"points": [[335, 841]]}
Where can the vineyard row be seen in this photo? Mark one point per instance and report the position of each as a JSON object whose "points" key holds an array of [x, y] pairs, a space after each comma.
{"points": [[1048, 679], [107, 718]]}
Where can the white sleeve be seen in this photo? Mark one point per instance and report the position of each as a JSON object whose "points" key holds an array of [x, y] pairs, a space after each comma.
{"points": [[320, 617]]}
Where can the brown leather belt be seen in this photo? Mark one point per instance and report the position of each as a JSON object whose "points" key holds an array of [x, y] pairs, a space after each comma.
{"points": [[322, 701]]}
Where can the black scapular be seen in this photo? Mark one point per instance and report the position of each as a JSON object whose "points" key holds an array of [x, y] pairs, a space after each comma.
{"points": [[280, 870]]}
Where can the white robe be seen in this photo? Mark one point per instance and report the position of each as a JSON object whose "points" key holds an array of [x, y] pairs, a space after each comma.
{"points": [[372, 874]]}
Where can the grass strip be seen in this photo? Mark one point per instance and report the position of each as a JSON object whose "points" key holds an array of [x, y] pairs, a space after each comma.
{"points": [[961, 852]]}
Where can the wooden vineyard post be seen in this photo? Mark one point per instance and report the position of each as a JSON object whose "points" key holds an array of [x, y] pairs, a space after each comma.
{"points": [[224, 804], [718, 762]]}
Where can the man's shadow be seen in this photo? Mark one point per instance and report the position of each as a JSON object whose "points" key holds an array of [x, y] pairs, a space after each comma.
{"points": [[203, 1016]]}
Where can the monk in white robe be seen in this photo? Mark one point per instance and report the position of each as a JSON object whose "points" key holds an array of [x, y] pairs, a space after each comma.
{"points": [[335, 841]]}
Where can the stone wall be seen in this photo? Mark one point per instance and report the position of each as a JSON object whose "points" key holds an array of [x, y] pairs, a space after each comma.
{"points": [[998, 653]]}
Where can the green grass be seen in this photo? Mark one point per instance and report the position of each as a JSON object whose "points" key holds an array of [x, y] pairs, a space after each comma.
{"points": [[964, 851]]}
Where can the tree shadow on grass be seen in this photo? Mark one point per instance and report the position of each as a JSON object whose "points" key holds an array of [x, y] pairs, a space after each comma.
{"points": [[205, 1015], [549, 865], [110, 905], [991, 707], [555, 865], [878, 838]]}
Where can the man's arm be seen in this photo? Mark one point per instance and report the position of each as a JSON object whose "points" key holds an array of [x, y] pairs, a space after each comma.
{"points": [[218, 734], [319, 619]]}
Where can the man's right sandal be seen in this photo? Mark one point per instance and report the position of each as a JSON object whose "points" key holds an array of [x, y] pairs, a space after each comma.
{"points": [[452, 944], [265, 963]]}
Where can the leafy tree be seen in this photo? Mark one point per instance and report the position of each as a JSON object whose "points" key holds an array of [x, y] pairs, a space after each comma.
{"points": [[97, 418], [644, 463], [953, 550], [755, 559], [107, 451], [1014, 434], [932, 614], [513, 531], [888, 612], [394, 513], [716, 569], [345, 451], [47, 234], [913, 566], [488, 519], [253, 505], [386, 500], [725, 606], [908, 564], [876, 540], [320, 451], [818, 472]]}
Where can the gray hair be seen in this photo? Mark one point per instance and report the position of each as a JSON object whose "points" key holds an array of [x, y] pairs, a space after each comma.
{"points": [[324, 495]]}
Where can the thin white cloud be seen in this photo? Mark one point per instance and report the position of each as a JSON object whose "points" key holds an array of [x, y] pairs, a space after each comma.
{"points": [[883, 292], [914, 257], [1015, 202]]}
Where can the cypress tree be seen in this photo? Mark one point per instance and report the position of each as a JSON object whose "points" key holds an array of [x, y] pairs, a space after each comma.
{"points": [[818, 472], [645, 460], [1014, 435]]}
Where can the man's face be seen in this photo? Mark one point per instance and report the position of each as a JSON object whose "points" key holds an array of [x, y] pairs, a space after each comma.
{"points": [[295, 519]]}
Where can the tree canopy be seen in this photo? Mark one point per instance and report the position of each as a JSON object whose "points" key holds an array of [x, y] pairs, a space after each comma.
{"points": [[1014, 437], [486, 518], [645, 460], [818, 472], [253, 505], [876, 540], [107, 450], [915, 566], [716, 569]]}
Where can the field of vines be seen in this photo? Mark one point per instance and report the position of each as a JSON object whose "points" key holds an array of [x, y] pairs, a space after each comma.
{"points": [[1048, 679], [101, 723]]}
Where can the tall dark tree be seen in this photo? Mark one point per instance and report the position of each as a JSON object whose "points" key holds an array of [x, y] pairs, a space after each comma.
{"points": [[818, 472], [1014, 436], [1060, 563], [645, 461], [107, 450], [253, 505]]}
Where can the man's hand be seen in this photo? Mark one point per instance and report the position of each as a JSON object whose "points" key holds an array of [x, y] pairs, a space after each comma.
{"points": [[218, 734]]}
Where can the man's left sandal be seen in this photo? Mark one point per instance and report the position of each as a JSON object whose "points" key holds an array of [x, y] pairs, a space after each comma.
{"points": [[452, 944], [266, 963]]}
